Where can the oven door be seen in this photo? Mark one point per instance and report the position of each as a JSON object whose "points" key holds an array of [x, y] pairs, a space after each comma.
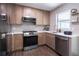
{"points": [[30, 40]]}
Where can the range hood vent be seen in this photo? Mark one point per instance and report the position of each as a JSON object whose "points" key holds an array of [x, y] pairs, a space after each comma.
{"points": [[29, 20]]}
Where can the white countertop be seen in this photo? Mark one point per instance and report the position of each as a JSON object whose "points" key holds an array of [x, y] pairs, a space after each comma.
{"points": [[60, 34], [11, 33], [70, 36], [22, 32]]}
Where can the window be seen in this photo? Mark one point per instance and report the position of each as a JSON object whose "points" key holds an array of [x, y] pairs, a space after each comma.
{"points": [[63, 20]]}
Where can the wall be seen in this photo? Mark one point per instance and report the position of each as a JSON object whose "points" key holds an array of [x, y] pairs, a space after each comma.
{"points": [[4, 27], [26, 27], [74, 43], [65, 7]]}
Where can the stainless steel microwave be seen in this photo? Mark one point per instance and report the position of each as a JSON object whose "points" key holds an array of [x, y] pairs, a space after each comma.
{"points": [[3, 17]]}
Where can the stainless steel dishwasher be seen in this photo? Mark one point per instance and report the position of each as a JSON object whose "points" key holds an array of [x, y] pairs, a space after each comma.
{"points": [[62, 45]]}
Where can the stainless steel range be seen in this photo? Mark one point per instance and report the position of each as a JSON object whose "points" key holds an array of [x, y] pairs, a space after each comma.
{"points": [[30, 39]]}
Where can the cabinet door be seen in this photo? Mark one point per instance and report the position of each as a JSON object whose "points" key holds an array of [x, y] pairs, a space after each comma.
{"points": [[46, 18], [27, 11], [14, 14], [18, 14], [9, 43], [11, 14], [41, 39], [50, 40], [53, 42], [17, 42], [39, 17]]}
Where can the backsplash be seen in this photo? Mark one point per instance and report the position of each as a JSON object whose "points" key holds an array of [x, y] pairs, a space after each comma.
{"points": [[25, 27], [4, 27], [18, 28]]}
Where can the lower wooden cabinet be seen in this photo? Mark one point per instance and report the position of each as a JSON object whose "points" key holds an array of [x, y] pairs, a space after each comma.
{"points": [[50, 40], [17, 42], [46, 38], [14, 42], [41, 38], [9, 43]]}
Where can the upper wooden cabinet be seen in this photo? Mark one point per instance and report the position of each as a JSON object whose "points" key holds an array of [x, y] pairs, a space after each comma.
{"points": [[39, 17], [46, 18], [28, 12], [42, 17], [10, 14], [18, 14], [14, 14]]}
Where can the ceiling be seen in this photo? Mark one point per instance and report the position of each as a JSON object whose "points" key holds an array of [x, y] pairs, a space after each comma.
{"points": [[43, 6]]}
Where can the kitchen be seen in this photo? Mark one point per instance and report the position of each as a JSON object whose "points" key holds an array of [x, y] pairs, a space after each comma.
{"points": [[33, 29]]}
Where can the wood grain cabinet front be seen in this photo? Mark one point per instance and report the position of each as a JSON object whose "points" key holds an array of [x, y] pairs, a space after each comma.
{"points": [[18, 14], [35, 13], [14, 14], [9, 43], [46, 38], [31, 12], [42, 17], [39, 17], [14, 42], [46, 18], [11, 14], [17, 42], [41, 38], [50, 40]]}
